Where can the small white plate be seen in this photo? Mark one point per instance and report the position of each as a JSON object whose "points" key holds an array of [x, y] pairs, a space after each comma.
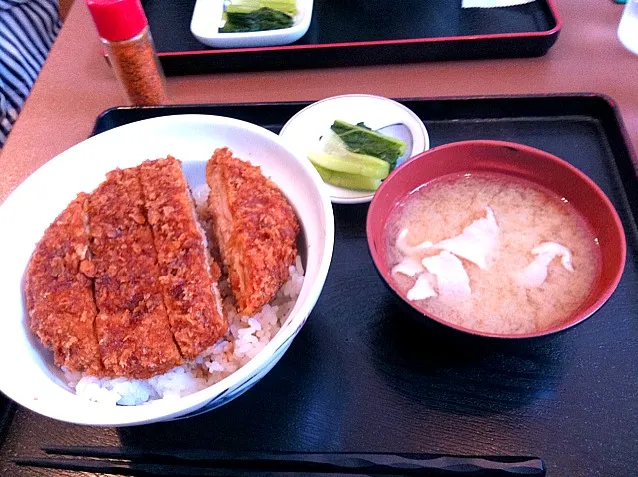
{"points": [[207, 16], [303, 130]]}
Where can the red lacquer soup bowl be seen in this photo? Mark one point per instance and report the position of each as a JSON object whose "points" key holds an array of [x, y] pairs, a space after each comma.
{"points": [[518, 162]]}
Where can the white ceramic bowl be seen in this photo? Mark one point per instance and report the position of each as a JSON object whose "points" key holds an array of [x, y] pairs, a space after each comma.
{"points": [[28, 375], [303, 130], [207, 15]]}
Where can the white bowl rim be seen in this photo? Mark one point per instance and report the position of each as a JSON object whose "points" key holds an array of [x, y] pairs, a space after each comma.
{"points": [[164, 409]]}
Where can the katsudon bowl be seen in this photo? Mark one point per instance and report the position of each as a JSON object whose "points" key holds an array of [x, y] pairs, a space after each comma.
{"points": [[510, 179], [28, 375]]}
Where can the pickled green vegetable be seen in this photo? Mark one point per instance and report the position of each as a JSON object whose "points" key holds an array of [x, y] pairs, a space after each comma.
{"points": [[347, 181], [258, 20], [245, 6], [352, 163], [362, 140]]}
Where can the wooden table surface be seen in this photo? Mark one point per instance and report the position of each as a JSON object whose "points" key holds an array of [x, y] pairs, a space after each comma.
{"points": [[76, 84]]}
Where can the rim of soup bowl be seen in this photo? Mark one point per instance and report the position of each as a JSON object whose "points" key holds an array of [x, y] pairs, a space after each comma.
{"points": [[375, 226]]}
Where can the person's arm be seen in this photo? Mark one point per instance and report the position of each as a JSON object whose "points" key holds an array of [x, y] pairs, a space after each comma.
{"points": [[28, 28]]}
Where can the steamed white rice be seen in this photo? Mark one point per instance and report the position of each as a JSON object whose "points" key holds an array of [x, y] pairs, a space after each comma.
{"points": [[247, 335]]}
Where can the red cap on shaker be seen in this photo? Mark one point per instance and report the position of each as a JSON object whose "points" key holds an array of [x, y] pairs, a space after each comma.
{"points": [[117, 20]]}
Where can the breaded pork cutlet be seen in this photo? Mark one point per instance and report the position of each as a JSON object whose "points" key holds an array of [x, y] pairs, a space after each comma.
{"points": [[255, 227], [59, 296], [121, 284], [132, 324], [191, 295]]}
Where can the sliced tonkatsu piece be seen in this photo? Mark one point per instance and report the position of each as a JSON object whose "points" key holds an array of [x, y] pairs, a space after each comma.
{"points": [[255, 227], [132, 324], [191, 294], [59, 296]]}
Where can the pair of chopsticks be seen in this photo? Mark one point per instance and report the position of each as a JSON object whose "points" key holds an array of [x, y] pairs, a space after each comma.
{"points": [[139, 462]]}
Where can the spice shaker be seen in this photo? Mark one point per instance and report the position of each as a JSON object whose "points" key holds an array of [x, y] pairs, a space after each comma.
{"points": [[125, 34]]}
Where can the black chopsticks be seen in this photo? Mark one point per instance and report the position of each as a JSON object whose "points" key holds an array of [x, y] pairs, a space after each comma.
{"points": [[140, 462]]}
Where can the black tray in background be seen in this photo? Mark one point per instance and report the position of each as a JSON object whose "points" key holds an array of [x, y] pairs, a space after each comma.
{"points": [[359, 377], [363, 32]]}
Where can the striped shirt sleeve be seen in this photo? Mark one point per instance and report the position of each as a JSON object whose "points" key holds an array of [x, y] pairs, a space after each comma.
{"points": [[28, 28]]}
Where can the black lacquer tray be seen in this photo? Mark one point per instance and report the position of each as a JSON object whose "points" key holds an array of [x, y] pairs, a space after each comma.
{"points": [[360, 377], [364, 32]]}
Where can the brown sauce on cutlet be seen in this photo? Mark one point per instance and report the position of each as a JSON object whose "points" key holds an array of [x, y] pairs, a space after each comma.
{"points": [[60, 297], [132, 324], [194, 308]]}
